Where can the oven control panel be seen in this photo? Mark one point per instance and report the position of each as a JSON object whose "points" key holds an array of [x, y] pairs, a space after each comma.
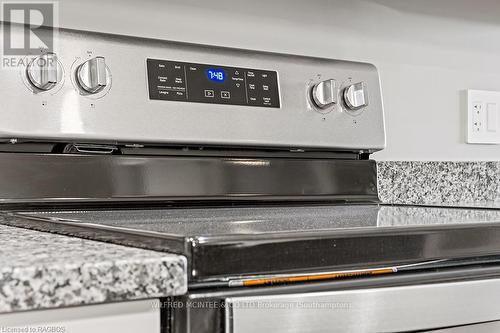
{"points": [[106, 89], [213, 84]]}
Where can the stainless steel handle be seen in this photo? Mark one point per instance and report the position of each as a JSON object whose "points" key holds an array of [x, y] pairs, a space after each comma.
{"points": [[395, 309]]}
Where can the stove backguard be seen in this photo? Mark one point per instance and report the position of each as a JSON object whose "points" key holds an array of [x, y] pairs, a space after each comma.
{"points": [[110, 179]]}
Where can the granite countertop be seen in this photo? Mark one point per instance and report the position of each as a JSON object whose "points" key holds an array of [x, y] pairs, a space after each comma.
{"points": [[41, 270], [435, 183]]}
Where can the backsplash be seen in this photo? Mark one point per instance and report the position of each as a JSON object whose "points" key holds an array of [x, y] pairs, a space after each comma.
{"points": [[410, 182]]}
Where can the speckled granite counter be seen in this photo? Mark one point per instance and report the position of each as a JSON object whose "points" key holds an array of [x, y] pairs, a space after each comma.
{"points": [[467, 184], [41, 270]]}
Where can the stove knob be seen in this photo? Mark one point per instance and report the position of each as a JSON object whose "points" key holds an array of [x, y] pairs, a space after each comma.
{"points": [[356, 96], [324, 93], [92, 75], [43, 72]]}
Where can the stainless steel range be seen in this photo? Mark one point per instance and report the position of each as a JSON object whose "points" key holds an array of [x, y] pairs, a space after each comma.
{"points": [[253, 165]]}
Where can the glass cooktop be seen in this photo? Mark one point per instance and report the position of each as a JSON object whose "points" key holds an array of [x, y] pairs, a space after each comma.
{"points": [[247, 241]]}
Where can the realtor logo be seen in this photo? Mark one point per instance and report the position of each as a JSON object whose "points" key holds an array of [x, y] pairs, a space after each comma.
{"points": [[28, 27]]}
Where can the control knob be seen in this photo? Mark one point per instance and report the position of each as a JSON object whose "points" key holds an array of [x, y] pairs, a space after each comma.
{"points": [[356, 96], [324, 94], [44, 71], [92, 75]]}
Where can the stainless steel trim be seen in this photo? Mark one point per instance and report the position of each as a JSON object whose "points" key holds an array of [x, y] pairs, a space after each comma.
{"points": [[67, 177], [396, 309]]}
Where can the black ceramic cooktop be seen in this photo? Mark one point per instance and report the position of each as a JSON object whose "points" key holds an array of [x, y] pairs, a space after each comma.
{"points": [[246, 241]]}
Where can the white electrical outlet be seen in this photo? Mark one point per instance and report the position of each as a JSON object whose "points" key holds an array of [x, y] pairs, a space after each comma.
{"points": [[483, 121]]}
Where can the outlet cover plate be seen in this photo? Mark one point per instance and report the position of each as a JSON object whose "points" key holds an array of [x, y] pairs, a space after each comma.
{"points": [[483, 120]]}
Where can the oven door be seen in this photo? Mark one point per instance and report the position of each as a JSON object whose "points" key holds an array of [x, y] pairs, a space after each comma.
{"points": [[450, 301], [393, 309]]}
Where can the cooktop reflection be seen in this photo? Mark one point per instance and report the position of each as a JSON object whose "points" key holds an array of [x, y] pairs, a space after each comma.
{"points": [[256, 220]]}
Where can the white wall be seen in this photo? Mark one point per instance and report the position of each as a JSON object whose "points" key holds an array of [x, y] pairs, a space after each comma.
{"points": [[427, 51]]}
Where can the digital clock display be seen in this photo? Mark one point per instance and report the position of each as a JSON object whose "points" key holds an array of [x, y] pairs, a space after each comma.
{"points": [[216, 75]]}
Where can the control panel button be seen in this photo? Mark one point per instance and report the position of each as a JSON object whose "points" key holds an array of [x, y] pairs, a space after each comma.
{"points": [[266, 100], [92, 75], [209, 93], [44, 71], [324, 94], [355, 96], [225, 94]]}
